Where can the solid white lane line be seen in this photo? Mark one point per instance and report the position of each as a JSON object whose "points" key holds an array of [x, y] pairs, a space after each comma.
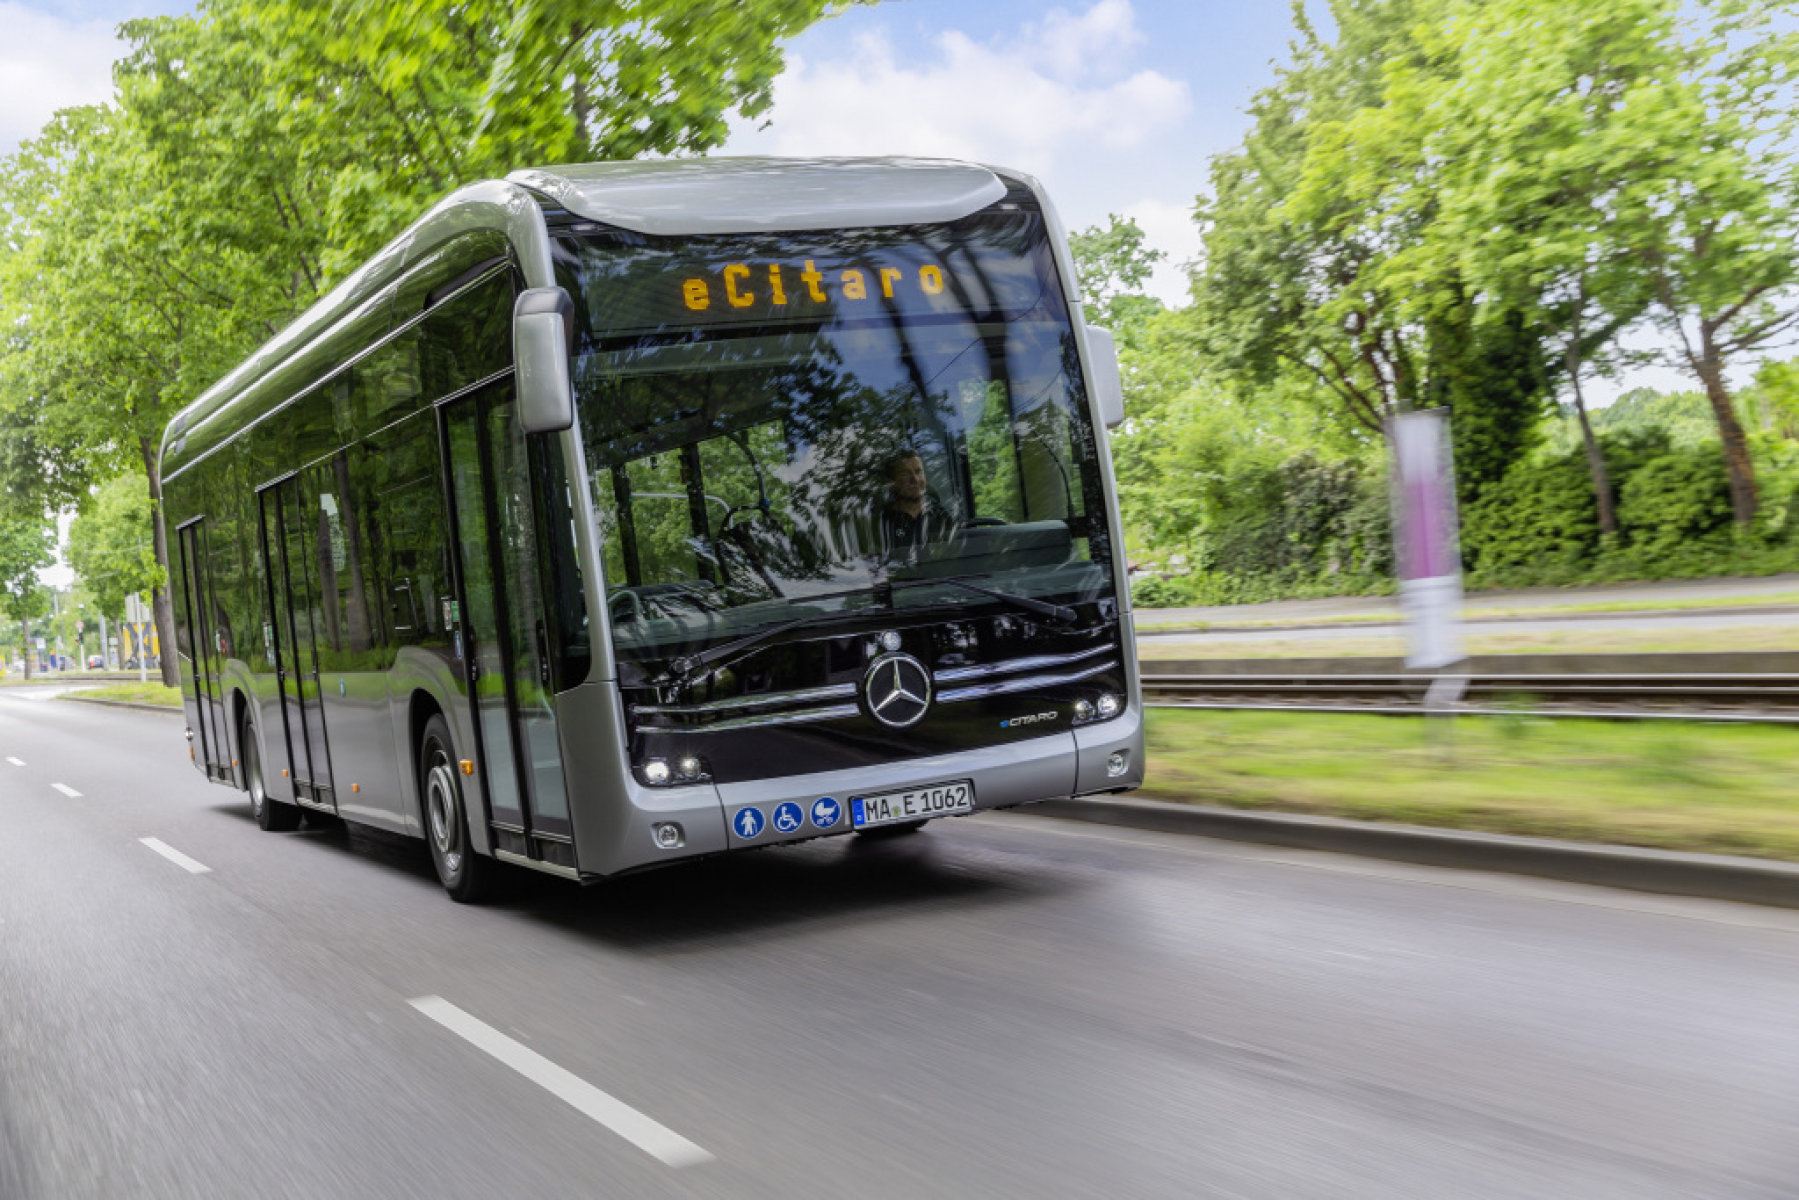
{"points": [[175, 856], [647, 1135], [66, 790], [17, 762]]}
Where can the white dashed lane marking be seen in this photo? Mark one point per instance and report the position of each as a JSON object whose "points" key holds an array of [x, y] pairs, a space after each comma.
{"points": [[17, 762], [646, 1134], [66, 790], [175, 856]]}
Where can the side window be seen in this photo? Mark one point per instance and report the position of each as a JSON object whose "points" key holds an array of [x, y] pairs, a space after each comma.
{"points": [[468, 338], [406, 520], [388, 384]]}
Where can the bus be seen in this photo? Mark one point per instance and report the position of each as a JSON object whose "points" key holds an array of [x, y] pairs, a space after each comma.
{"points": [[619, 514]]}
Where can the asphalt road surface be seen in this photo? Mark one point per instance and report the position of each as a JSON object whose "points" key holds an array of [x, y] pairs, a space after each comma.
{"points": [[1000, 1006]]}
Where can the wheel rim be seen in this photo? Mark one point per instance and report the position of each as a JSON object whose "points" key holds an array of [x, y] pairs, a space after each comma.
{"points": [[253, 769], [442, 814]]}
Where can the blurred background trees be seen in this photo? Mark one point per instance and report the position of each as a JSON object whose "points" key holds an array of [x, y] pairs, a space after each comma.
{"points": [[1485, 205]]}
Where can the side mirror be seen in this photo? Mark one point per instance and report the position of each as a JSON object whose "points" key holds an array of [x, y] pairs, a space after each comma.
{"points": [[1108, 384], [543, 338]]}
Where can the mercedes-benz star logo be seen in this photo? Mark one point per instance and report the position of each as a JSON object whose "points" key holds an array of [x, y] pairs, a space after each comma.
{"points": [[897, 690]]}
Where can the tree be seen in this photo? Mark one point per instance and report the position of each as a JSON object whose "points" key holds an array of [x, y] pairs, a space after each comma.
{"points": [[1319, 259], [120, 315], [1716, 233], [111, 544], [27, 545], [1543, 140], [1113, 264], [258, 152], [1778, 383]]}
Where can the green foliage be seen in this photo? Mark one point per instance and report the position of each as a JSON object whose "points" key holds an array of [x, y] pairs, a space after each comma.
{"points": [[27, 545], [1324, 260], [1672, 500], [258, 151], [1675, 517], [1113, 265], [110, 544]]}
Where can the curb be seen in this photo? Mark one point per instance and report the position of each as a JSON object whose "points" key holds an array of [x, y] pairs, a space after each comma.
{"points": [[1713, 876], [158, 708]]}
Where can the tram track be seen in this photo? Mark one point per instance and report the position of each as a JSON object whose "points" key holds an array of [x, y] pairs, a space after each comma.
{"points": [[1749, 697]]}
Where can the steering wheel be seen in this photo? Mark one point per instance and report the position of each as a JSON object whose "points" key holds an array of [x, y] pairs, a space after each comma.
{"points": [[630, 603]]}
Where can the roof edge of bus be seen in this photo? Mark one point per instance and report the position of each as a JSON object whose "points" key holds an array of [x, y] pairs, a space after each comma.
{"points": [[489, 204], [755, 194], [697, 196]]}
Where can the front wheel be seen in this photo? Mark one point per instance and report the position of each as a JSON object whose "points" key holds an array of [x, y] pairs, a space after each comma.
{"points": [[270, 813], [467, 876]]}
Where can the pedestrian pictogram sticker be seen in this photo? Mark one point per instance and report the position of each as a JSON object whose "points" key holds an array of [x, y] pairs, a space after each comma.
{"points": [[748, 822]]}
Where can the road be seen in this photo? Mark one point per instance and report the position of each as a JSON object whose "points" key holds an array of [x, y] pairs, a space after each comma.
{"points": [[1001, 1006]]}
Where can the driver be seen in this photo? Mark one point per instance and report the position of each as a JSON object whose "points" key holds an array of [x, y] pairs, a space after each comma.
{"points": [[910, 515]]}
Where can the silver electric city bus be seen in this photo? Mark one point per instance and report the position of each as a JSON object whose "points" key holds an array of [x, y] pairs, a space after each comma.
{"points": [[619, 514]]}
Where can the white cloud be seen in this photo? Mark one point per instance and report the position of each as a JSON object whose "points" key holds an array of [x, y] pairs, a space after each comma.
{"points": [[1027, 101], [48, 63]]}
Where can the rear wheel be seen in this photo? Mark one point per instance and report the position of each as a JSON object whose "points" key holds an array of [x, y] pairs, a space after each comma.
{"points": [[270, 813], [467, 876]]}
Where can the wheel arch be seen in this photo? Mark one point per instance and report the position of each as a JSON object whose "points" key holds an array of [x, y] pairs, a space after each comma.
{"points": [[421, 706]]}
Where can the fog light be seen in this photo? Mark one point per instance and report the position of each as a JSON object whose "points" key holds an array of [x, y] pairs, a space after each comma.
{"points": [[1118, 764], [669, 836], [1109, 706], [656, 771], [190, 733], [1083, 711], [688, 767]]}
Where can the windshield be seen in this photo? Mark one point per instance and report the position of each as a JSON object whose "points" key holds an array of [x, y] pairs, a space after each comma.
{"points": [[780, 426]]}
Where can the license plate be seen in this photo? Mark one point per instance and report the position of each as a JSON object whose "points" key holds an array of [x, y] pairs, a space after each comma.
{"points": [[938, 800]]}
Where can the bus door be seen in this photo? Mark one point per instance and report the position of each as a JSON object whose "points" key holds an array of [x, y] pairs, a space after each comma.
{"points": [[501, 623], [295, 617], [203, 635]]}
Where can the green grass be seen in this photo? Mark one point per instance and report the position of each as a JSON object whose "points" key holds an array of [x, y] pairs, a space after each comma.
{"points": [[1673, 785], [136, 693], [1583, 639]]}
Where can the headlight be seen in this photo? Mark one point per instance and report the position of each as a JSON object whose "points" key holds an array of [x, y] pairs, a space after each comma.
{"points": [[656, 771], [1109, 706]]}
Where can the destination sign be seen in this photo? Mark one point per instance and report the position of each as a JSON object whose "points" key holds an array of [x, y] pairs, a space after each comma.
{"points": [[775, 279], [737, 284]]}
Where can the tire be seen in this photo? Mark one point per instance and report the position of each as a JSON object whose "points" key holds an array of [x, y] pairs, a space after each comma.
{"points": [[891, 831], [270, 813], [469, 877]]}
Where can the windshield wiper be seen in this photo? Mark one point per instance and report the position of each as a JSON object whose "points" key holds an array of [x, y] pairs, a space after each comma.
{"points": [[683, 670], [1043, 608]]}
